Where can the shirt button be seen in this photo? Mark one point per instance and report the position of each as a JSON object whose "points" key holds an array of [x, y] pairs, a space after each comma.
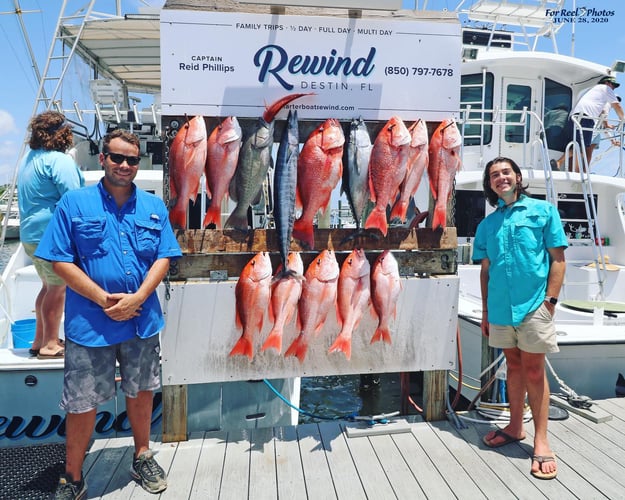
{"points": [[125, 252], [127, 272], [122, 233]]}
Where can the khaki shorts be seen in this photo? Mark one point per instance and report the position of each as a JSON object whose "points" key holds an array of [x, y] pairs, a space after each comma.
{"points": [[536, 334], [43, 267]]}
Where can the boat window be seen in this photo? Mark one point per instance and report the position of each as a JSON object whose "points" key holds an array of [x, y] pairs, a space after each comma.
{"points": [[517, 98], [476, 91], [558, 101], [470, 210]]}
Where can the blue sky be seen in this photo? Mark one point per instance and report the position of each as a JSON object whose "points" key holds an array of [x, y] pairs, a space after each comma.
{"points": [[598, 42]]}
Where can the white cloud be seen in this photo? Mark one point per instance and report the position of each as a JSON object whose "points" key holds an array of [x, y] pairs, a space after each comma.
{"points": [[7, 123]]}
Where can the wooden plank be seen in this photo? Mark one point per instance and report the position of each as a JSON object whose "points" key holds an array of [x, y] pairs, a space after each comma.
{"points": [[197, 241], [595, 413], [374, 480], [198, 266], [510, 464], [431, 481], [289, 472], [262, 465], [488, 480], [235, 475], [399, 474], [319, 483], [121, 482], [174, 413], [182, 470], [434, 389], [104, 468], [207, 481], [344, 474]]}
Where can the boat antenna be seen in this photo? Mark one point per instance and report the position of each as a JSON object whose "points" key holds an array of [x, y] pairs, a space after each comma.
{"points": [[573, 29]]}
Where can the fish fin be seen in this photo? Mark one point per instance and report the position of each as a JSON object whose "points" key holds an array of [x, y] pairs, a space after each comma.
{"points": [[377, 219], [274, 341], [213, 216], [237, 221], [178, 215], [304, 232], [440, 216], [381, 334], [342, 344], [399, 211], [371, 190], [243, 347], [299, 204], [298, 348]]}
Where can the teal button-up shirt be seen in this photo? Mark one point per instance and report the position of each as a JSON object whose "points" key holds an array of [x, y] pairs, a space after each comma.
{"points": [[515, 240]]}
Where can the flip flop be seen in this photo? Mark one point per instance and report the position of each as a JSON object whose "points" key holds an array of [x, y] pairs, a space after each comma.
{"points": [[507, 439], [58, 354], [541, 459], [33, 353]]}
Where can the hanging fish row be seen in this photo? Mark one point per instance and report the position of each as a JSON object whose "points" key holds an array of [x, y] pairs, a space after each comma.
{"points": [[350, 291], [386, 173]]}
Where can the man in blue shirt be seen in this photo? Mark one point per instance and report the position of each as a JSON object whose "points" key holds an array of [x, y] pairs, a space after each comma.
{"points": [[111, 243], [520, 247]]}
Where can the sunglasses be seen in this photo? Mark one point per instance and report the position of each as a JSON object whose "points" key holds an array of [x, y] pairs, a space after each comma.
{"points": [[117, 158]]}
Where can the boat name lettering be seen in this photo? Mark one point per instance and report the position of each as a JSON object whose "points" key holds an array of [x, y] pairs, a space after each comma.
{"points": [[273, 59], [41, 428]]}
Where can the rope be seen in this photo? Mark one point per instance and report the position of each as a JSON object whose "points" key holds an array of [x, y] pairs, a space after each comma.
{"points": [[569, 394]]}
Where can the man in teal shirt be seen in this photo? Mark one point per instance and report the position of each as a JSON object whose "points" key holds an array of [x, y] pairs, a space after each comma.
{"points": [[520, 247]]}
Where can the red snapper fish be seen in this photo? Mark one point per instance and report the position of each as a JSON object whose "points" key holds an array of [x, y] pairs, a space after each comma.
{"points": [[354, 294], [319, 169], [417, 161], [285, 294], [318, 298], [443, 164], [187, 156], [252, 293], [387, 169], [385, 289], [223, 147]]}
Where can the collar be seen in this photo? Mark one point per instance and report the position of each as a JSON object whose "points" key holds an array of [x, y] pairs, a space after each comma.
{"points": [[108, 196], [520, 201]]}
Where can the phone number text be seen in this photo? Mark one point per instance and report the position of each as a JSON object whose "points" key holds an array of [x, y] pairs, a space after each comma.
{"points": [[417, 71]]}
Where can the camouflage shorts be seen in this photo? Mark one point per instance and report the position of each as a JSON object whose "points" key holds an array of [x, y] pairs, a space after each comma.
{"points": [[90, 372]]}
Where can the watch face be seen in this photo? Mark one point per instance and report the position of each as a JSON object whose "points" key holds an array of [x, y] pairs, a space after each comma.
{"points": [[553, 300]]}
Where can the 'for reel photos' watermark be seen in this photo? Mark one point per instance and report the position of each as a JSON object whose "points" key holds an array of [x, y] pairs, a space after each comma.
{"points": [[579, 15]]}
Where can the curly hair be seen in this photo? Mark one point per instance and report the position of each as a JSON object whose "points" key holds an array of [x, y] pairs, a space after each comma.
{"points": [[491, 196], [123, 134], [50, 131]]}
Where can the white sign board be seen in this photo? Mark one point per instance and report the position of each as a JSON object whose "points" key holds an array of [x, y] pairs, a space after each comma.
{"points": [[224, 63], [200, 332]]}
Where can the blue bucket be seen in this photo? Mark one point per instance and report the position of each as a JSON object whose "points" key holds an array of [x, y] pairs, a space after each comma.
{"points": [[23, 331]]}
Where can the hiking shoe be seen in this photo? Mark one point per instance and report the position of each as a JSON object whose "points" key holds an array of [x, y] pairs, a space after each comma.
{"points": [[68, 490], [151, 475]]}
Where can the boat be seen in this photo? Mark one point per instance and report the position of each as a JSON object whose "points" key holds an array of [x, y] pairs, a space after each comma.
{"points": [[10, 212], [508, 88]]}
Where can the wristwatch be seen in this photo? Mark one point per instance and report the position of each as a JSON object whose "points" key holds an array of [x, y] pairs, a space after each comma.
{"points": [[551, 300]]}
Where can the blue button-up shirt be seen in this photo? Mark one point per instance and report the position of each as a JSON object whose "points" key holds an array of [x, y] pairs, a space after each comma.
{"points": [[116, 248], [515, 240]]}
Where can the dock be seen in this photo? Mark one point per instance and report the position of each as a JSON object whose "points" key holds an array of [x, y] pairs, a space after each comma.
{"points": [[405, 459]]}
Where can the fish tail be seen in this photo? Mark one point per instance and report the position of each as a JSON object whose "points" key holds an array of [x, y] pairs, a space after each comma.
{"points": [[274, 341], [298, 348], [243, 347], [213, 216], [303, 231], [377, 219], [178, 216], [399, 211], [439, 219], [237, 220], [271, 112], [382, 334], [342, 344]]}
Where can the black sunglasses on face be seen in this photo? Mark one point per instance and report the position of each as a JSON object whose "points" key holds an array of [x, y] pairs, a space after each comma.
{"points": [[117, 158]]}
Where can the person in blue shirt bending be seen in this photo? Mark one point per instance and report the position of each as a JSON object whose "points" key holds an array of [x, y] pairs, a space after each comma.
{"points": [[520, 247], [112, 244]]}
